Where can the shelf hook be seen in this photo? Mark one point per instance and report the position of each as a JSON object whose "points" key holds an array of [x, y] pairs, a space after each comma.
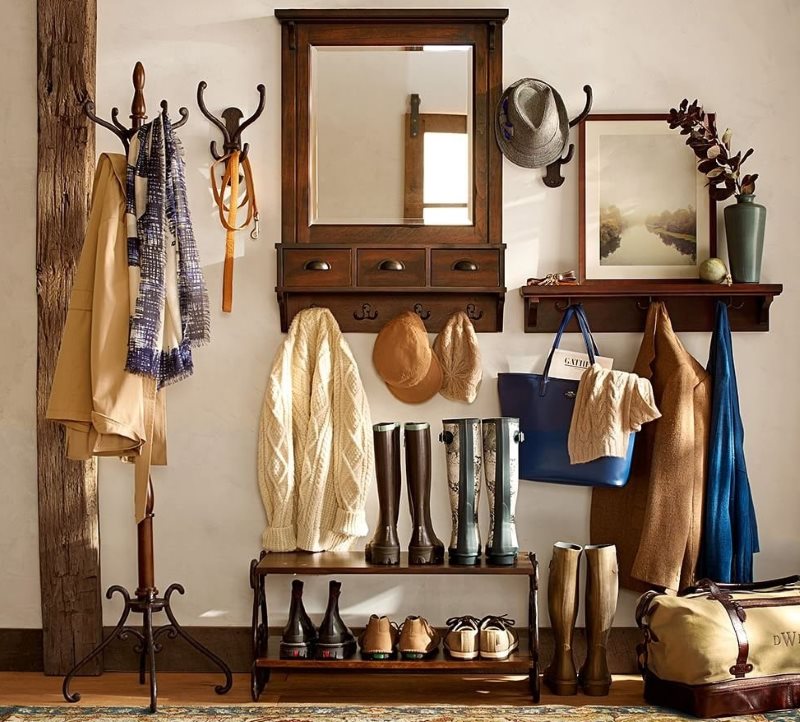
{"points": [[232, 126], [553, 177]]}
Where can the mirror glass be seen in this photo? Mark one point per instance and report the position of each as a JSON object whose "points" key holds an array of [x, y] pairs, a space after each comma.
{"points": [[391, 135]]}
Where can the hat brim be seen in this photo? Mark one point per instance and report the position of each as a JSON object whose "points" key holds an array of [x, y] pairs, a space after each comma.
{"points": [[544, 154], [425, 389]]}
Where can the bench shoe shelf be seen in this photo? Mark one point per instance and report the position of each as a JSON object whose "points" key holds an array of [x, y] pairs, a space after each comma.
{"points": [[525, 660]]}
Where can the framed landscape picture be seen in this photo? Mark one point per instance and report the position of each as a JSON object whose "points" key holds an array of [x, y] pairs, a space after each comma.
{"points": [[645, 210]]}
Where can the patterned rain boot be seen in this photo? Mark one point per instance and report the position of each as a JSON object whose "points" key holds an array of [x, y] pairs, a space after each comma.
{"points": [[462, 439], [501, 440]]}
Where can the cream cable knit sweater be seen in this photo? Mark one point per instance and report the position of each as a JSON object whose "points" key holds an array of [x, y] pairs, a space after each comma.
{"points": [[315, 457], [609, 406]]}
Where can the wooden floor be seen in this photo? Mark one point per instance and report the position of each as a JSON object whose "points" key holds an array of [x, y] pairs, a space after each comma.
{"points": [[122, 689]]}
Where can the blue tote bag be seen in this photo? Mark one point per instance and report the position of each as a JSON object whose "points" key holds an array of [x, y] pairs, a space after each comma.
{"points": [[544, 407]]}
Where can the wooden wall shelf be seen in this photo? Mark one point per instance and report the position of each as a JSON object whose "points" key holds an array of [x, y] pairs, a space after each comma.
{"points": [[619, 306]]}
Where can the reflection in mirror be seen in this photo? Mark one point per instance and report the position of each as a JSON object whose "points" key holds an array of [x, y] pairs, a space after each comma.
{"points": [[377, 157]]}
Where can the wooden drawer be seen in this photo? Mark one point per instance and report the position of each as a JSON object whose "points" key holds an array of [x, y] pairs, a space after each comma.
{"points": [[386, 267], [316, 267], [465, 267]]}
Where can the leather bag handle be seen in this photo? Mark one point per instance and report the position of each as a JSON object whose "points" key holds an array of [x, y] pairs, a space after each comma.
{"points": [[577, 311], [707, 585]]}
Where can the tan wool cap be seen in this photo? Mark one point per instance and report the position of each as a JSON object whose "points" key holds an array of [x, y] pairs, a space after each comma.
{"points": [[457, 349], [403, 358]]}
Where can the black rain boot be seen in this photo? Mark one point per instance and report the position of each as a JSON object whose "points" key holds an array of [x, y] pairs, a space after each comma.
{"points": [[462, 439], [501, 440], [299, 635], [385, 546], [335, 640], [425, 547]]}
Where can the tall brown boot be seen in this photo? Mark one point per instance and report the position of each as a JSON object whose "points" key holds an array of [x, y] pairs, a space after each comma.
{"points": [[562, 602], [424, 547], [384, 548], [602, 586]]}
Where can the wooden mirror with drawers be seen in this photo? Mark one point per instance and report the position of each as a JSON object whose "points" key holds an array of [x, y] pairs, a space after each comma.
{"points": [[391, 175]]}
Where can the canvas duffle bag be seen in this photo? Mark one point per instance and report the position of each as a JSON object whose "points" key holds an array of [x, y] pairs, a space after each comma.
{"points": [[722, 649]]}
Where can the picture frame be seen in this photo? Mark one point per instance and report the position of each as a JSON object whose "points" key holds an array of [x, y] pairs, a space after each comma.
{"points": [[645, 211]]}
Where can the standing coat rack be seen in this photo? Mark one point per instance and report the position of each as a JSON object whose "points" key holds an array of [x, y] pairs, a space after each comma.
{"points": [[146, 600]]}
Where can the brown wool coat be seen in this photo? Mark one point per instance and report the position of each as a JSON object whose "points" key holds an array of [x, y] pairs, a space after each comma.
{"points": [[655, 520]]}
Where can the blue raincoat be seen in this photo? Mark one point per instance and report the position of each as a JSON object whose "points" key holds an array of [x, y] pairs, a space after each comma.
{"points": [[730, 532]]}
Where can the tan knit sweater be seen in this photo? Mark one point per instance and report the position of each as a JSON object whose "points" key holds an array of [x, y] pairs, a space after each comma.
{"points": [[315, 457], [609, 406]]}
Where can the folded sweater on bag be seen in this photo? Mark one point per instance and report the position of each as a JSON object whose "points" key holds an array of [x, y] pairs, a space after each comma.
{"points": [[609, 407]]}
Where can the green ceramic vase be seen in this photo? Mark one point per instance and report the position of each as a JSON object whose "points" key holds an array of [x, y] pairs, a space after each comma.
{"points": [[744, 231]]}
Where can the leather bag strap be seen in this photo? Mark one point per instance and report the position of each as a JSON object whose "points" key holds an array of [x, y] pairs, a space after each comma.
{"points": [[642, 612], [737, 616], [577, 311], [704, 585]]}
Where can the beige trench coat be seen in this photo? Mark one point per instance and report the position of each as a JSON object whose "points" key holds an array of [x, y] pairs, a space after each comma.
{"points": [[106, 411], [655, 520]]}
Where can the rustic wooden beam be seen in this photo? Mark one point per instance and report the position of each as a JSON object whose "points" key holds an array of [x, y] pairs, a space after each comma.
{"points": [[69, 540]]}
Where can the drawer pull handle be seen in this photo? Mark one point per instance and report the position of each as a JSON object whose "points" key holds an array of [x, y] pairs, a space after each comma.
{"points": [[391, 265], [468, 266], [317, 266]]}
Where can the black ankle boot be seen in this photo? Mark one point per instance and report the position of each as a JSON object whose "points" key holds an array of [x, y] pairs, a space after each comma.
{"points": [[299, 635], [335, 640]]}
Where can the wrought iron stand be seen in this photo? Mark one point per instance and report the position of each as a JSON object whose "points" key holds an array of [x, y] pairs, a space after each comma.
{"points": [[146, 601], [147, 640]]}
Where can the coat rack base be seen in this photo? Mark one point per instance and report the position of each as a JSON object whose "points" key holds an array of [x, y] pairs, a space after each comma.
{"points": [[148, 640]]}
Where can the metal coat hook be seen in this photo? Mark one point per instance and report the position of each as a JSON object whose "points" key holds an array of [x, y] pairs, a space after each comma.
{"points": [[232, 126], [138, 115], [553, 177], [414, 100]]}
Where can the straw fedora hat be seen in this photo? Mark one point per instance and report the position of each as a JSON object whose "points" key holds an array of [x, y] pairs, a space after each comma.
{"points": [[531, 123], [403, 358]]}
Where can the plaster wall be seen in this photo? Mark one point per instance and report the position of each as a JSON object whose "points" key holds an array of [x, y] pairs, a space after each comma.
{"points": [[740, 58]]}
